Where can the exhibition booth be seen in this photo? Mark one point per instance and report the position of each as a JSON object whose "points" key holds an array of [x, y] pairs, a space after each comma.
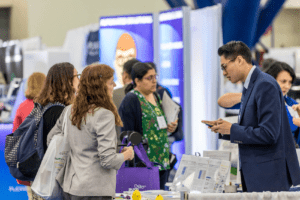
{"points": [[183, 43]]}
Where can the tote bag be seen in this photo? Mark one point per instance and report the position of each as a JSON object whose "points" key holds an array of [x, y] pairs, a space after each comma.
{"points": [[141, 178], [56, 155]]}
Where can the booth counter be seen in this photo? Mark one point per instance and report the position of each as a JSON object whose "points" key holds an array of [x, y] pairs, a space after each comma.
{"points": [[168, 195]]}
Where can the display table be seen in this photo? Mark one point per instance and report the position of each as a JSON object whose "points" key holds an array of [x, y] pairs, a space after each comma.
{"points": [[247, 196], [168, 195]]}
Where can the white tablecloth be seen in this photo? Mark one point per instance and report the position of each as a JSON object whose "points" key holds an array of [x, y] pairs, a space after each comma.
{"points": [[247, 196], [169, 195]]}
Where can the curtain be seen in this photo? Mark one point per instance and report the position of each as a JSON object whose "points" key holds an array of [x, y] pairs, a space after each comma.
{"points": [[205, 74]]}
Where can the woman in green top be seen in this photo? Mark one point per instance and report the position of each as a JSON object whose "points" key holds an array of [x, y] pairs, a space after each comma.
{"points": [[141, 111]]}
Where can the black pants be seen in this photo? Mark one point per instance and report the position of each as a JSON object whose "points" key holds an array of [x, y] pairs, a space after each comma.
{"points": [[163, 178], [243, 182]]}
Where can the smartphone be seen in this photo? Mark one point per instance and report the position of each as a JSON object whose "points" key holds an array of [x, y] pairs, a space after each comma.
{"points": [[208, 124]]}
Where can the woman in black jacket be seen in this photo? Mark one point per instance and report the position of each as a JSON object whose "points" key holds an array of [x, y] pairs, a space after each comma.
{"points": [[141, 111]]}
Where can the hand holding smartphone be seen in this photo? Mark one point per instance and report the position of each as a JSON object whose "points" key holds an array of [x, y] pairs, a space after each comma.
{"points": [[208, 123]]}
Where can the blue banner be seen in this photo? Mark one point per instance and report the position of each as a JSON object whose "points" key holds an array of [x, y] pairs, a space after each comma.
{"points": [[92, 48], [171, 60], [9, 188], [123, 38]]}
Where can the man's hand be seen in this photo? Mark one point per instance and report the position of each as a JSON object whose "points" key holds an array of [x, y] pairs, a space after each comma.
{"points": [[219, 126], [296, 107], [210, 123], [296, 121]]}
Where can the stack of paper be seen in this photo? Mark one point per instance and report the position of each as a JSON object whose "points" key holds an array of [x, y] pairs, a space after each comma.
{"points": [[170, 108], [201, 174]]}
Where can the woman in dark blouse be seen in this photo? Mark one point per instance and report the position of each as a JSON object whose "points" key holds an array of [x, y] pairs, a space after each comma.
{"points": [[141, 111], [60, 87]]}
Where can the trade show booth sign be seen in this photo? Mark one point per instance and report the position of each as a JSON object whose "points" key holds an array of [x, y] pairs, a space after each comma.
{"points": [[171, 61], [123, 38]]}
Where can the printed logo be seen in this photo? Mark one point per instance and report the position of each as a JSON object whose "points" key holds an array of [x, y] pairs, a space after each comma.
{"points": [[17, 189], [137, 187]]}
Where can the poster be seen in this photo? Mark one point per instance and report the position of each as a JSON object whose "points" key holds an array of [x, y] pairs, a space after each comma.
{"points": [[171, 52], [123, 38]]}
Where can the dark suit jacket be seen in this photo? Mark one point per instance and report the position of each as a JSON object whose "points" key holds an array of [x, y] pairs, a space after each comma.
{"points": [[267, 150], [118, 96]]}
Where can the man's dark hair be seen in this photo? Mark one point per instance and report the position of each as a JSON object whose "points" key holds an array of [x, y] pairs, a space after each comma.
{"points": [[233, 49], [278, 67], [127, 67]]}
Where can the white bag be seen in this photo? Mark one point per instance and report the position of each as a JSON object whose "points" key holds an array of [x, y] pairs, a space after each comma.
{"points": [[54, 160]]}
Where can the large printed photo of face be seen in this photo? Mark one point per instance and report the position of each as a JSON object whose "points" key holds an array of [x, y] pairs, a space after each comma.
{"points": [[126, 50], [123, 38]]}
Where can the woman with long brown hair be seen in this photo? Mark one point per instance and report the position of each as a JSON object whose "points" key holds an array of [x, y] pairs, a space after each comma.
{"points": [[90, 171], [60, 86], [59, 89]]}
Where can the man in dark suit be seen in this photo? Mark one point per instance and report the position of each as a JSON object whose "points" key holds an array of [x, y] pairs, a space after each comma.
{"points": [[268, 160]]}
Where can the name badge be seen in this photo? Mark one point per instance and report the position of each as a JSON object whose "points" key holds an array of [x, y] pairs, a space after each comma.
{"points": [[162, 122]]}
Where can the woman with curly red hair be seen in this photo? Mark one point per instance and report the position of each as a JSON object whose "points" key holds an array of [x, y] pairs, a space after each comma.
{"points": [[90, 171]]}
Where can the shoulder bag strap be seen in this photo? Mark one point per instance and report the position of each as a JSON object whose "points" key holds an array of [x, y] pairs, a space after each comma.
{"points": [[64, 126]]}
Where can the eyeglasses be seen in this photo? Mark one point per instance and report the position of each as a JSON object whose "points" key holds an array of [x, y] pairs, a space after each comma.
{"points": [[151, 77], [224, 66], [78, 75]]}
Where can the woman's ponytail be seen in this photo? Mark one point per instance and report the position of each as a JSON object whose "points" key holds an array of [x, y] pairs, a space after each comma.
{"points": [[129, 87]]}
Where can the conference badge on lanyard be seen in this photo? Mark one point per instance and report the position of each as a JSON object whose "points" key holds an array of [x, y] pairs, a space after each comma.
{"points": [[161, 122]]}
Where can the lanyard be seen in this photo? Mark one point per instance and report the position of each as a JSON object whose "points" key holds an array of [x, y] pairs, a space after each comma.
{"points": [[149, 105], [147, 102], [160, 119]]}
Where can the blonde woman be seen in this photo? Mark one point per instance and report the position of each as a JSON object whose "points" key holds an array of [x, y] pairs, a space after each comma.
{"points": [[35, 83]]}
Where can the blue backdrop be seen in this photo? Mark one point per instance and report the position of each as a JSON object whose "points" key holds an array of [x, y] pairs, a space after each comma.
{"points": [[9, 188], [171, 61]]}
